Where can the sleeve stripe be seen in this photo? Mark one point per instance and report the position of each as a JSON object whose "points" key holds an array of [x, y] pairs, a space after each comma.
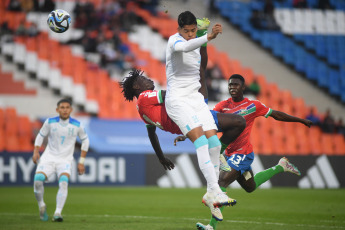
{"points": [[160, 98], [41, 134], [268, 113], [177, 42]]}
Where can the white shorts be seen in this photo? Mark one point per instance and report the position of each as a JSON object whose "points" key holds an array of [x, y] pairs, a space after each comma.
{"points": [[49, 168], [190, 112]]}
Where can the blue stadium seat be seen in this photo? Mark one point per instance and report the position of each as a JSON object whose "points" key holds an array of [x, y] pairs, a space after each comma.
{"points": [[320, 46], [311, 70], [334, 83], [322, 75], [309, 42]]}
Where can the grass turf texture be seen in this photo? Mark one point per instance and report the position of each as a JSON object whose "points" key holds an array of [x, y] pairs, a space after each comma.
{"points": [[156, 208]]}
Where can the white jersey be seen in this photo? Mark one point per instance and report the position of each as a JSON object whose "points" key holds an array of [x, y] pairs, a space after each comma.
{"points": [[183, 65], [62, 136]]}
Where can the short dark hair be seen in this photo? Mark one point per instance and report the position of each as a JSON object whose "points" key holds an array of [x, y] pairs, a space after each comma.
{"points": [[128, 82], [186, 18], [64, 100], [238, 76]]}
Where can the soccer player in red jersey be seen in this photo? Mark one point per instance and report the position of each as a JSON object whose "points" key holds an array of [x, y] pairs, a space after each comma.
{"points": [[240, 153], [150, 105]]}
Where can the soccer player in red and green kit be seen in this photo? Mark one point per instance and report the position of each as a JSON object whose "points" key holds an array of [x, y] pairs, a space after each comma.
{"points": [[239, 154]]}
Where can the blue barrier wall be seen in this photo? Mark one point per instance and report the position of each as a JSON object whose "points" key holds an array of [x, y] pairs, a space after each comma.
{"points": [[119, 136]]}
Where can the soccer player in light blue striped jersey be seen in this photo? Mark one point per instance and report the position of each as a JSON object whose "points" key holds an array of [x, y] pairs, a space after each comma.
{"points": [[62, 132]]}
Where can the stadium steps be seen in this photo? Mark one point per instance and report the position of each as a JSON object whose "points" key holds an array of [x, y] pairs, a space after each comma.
{"points": [[9, 86]]}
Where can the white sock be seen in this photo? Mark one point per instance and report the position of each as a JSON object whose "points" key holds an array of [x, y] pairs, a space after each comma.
{"points": [[207, 168], [214, 155], [39, 192], [61, 196]]}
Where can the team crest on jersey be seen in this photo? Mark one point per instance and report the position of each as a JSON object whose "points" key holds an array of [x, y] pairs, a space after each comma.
{"points": [[152, 94]]}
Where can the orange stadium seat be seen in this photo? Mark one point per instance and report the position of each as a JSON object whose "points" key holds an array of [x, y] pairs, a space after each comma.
{"points": [[2, 118], [267, 144], [339, 144], [2, 140], [12, 144], [327, 144], [248, 74], [314, 136], [303, 144], [291, 145], [299, 108]]}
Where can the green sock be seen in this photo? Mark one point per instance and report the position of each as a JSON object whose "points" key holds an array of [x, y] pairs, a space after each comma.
{"points": [[224, 146], [201, 33], [213, 221], [264, 176]]}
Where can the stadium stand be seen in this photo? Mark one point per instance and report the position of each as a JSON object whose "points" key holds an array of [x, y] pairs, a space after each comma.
{"points": [[70, 74], [307, 38]]}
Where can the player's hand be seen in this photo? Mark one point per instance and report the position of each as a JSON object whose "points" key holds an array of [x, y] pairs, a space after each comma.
{"points": [[81, 169], [179, 138], [216, 29], [36, 157], [307, 123], [167, 164]]}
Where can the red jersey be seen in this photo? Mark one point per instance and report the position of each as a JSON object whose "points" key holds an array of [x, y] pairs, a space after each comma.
{"points": [[249, 109], [152, 111]]}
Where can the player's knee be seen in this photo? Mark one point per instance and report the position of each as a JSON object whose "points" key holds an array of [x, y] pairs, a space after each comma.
{"points": [[213, 142], [249, 189], [63, 178], [63, 181], [39, 177], [201, 141]]}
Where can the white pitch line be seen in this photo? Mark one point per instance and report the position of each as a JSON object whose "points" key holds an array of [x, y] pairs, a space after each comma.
{"points": [[189, 219]]}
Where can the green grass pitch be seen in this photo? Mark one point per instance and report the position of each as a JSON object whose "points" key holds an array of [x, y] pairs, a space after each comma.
{"points": [[127, 208]]}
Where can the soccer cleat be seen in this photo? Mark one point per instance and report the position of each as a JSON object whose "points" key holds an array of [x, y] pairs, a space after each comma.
{"points": [[57, 217], [208, 200], [221, 199], [200, 226], [288, 167], [203, 24], [43, 213], [224, 164]]}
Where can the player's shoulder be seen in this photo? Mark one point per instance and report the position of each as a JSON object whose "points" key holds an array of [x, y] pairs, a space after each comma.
{"points": [[52, 120], [224, 102], [257, 102], [174, 38], [148, 93], [74, 122]]}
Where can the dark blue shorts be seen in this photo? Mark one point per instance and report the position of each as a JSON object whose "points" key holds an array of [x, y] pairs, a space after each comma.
{"points": [[240, 162], [214, 114]]}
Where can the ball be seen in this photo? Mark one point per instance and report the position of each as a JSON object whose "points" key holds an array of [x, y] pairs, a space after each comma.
{"points": [[59, 21]]}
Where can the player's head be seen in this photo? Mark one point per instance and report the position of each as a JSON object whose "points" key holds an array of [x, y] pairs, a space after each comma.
{"points": [[135, 84], [64, 108], [187, 25], [236, 86]]}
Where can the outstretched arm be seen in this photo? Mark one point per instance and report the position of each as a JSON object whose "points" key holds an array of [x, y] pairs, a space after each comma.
{"points": [[167, 164], [281, 116]]}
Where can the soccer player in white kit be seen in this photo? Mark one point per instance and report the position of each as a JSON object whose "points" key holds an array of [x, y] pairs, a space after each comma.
{"points": [[187, 108], [62, 132]]}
